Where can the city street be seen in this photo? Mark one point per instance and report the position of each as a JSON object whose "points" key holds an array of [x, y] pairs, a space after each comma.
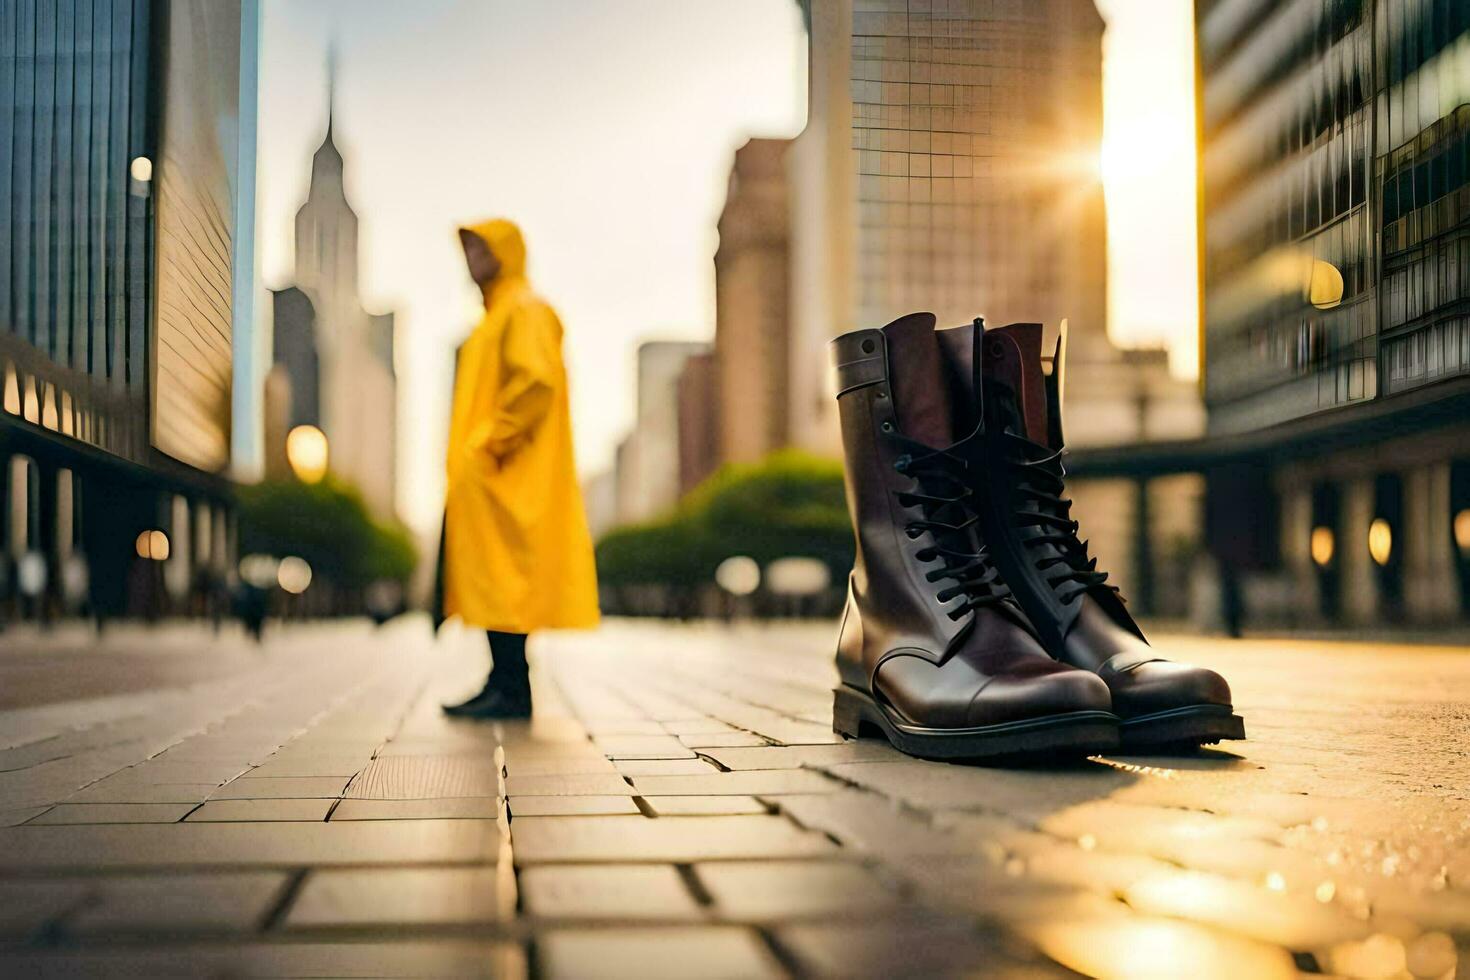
{"points": [[680, 808]]}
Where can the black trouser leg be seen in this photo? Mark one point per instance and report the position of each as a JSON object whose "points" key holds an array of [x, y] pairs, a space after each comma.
{"points": [[509, 671]]}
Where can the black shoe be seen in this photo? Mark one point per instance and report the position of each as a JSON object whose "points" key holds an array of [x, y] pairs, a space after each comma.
{"points": [[493, 703]]}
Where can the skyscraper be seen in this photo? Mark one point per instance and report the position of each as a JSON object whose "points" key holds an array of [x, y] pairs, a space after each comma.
{"points": [[752, 312], [1336, 258], [127, 175], [951, 163], [337, 358]]}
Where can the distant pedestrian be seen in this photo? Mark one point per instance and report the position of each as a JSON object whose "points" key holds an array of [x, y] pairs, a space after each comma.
{"points": [[516, 552]]}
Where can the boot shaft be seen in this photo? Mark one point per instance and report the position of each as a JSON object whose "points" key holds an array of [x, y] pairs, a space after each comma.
{"points": [[886, 379], [1024, 511]]}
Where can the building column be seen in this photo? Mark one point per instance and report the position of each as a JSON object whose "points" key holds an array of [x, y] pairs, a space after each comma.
{"points": [[1359, 582], [1296, 553], [1431, 587]]}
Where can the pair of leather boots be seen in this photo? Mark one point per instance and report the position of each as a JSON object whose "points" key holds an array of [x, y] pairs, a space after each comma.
{"points": [[976, 624]]}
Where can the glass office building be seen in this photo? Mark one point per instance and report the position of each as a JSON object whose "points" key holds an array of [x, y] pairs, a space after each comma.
{"points": [[121, 151], [1336, 267]]}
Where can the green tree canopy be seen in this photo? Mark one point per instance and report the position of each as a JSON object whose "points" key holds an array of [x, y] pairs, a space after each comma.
{"points": [[328, 525], [790, 504]]}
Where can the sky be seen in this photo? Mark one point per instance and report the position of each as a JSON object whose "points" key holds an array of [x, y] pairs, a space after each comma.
{"points": [[606, 129]]}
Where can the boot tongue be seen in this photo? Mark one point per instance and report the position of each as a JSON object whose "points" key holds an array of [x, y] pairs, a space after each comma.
{"points": [[958, 347], [920, 396], [1013, 360]]}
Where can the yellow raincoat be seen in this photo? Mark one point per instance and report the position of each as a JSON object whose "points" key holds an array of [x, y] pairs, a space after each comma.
{"points": [[517, 553]]}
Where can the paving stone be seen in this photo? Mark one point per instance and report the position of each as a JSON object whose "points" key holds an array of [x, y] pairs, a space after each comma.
{"points": [[262, 810], [186, 845], [478, 748], [426, 778], [155, 771], [1124, 944], [395, 896], [674, 839], [442, 958], [753, 783], [772, 891], [550, 806], [698, 726], [592, 784], [346, 767], [643, 747], [12, 818], [27, 905], [938, 785], [796, 756], [1299, 922], [788, 732], [1168, 833], [229, 902], [687, 953], [664, 767], [623, 726], [692, 806], [717, 739], [282, 787], [125, 792], [455, 808], [908, 949], [867, 822], [519, 764], [114, 813], [614, 892]]}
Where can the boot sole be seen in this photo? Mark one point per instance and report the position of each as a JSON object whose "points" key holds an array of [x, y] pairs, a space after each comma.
{"points": [[1188, 727], [1073, 734]]}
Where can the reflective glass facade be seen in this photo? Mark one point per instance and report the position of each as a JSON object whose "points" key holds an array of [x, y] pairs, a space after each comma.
{"points": [[976, 125], [73, 240], [1337, 220]]}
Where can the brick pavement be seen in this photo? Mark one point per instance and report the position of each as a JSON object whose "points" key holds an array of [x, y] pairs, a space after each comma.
{"points": [[681, 808]]}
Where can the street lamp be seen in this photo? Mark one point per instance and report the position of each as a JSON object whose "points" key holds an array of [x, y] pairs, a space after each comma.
{"points": [[738, 575], [293, 575], [1323, 545], [1324, 290], [152, 545], [1380, 541], [1462, 531], [306, 451]]}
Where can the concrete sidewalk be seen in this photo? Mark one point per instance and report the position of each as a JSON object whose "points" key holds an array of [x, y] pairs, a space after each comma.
{"points": [[681, 808]]}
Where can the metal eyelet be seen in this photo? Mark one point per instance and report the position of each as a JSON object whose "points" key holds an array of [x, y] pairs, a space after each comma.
{"points": [[912, 532], [902, 463], [886, 426]]}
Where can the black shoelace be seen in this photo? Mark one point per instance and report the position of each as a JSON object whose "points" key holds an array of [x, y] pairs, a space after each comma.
{"points": [[941, 494], [1039, 476]]}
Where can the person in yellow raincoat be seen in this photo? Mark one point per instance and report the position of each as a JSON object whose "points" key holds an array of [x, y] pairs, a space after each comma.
{"points": [[517, 555]]}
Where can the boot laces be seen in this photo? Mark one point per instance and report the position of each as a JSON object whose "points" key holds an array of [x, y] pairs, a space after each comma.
{"points": [[941, 492], [1040, 477]]}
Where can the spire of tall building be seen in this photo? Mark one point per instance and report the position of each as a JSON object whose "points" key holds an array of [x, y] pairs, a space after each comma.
{"points": [[354, 390]]}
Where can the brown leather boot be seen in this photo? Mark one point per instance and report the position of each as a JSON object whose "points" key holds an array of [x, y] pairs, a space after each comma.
{"points": [[1026, 519], [933, 653]]}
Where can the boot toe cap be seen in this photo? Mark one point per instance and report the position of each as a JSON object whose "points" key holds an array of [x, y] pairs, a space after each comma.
{"points": [[1162, 685], [1021, 698]]}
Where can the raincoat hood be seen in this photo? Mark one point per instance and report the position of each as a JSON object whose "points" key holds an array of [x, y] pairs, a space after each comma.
{"points": [[505, 243]]}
